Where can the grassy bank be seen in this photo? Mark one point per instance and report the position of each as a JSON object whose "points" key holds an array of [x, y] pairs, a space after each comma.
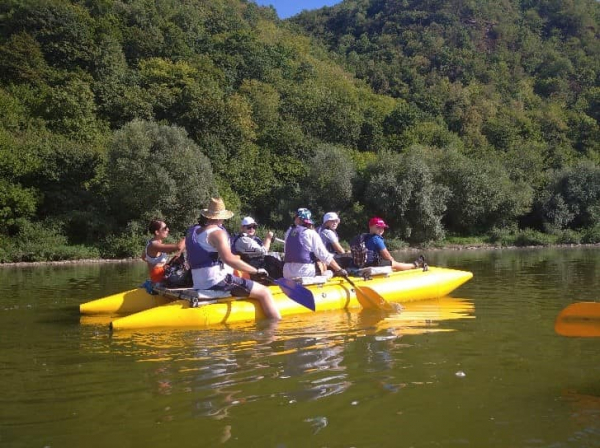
{"points": [[50, 246]]}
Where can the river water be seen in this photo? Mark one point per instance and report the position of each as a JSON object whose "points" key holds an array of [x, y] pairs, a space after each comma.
{"points": [[483, 368]]}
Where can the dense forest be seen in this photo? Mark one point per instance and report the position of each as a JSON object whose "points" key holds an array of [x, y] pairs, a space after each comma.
{"points": [[449, 118]]}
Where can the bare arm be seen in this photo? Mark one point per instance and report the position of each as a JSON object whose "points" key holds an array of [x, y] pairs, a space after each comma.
{"points": [[218, 240], [156, 247], [338, 248], [329, 236], [385, 254], [318, 248], [268, 240], [334, 265]]}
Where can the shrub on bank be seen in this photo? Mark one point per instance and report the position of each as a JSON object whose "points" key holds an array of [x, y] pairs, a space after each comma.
{"points": [[568, 237], [128, 244], [528, 237], [591, 235], [396, 244], [37, 242], [502, 236], [460, 241]]}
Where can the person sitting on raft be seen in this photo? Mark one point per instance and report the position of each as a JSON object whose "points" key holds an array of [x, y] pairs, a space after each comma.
{"points": [[254, 251], [156, 253], [328, 233], [303, 247], [212, 263], [377, 252]]}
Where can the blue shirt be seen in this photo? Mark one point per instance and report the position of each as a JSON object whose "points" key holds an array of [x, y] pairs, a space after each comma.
{"points": [[375, 244]]}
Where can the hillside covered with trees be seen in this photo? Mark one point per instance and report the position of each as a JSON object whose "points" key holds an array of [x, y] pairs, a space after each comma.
{"points": [[448, 118]]}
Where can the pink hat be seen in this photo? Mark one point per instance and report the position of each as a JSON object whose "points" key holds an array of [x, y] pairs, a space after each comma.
{"points": [[377, 222]]}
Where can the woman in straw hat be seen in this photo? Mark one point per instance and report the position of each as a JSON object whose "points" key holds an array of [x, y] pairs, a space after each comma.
{"points": [[212, 262]]}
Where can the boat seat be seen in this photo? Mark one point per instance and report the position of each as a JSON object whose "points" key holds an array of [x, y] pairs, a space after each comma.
{"points": [[317, 280]]}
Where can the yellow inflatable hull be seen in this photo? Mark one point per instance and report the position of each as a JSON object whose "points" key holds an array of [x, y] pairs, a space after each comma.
{"points": [[398, 287], [123, 303]]}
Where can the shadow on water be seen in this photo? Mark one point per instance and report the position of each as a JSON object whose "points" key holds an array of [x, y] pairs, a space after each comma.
{"points": [[65, 316]]}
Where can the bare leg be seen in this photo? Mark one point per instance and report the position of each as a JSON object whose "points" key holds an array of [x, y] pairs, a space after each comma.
{"points": [[265, 298], [402, 266], [418, 263]]}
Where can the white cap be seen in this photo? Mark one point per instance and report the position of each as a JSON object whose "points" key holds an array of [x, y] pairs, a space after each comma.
{"points": [[248, 221], [331, 216]]}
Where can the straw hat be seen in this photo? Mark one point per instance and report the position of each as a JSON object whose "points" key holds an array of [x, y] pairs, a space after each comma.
{"points": [[216, 210]]}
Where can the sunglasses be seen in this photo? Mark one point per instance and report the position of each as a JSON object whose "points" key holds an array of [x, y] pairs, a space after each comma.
{"points": [[251, 226], [163, 228]]}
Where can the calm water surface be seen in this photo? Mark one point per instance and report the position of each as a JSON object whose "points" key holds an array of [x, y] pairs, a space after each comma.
{"points": [[481, 369]]}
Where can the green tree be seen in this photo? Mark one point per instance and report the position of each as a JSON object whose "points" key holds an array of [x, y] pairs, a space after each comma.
{"points": [[64, 31], [572, 198], [67, 177], [69, 109], [21, 60], [327, 108], [264, 100], [18, 201], [401, 188], [328, 185], [482, 193], [156, 170]]}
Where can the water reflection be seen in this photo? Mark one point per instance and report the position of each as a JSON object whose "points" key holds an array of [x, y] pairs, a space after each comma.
{"points": [[304, 358], [311, 380], [585, 414]]}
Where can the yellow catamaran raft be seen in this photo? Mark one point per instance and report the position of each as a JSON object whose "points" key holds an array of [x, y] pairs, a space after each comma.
{"points": [[168, 310]]}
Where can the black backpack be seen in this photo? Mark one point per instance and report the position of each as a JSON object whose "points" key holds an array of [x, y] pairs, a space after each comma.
{"points": [[178, 274], [359, 250]]}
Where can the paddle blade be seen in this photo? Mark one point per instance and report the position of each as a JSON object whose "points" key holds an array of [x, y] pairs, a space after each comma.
{"points": [[296, 292], [578, 328], [371, 299], [582, 310], [580, 319]]}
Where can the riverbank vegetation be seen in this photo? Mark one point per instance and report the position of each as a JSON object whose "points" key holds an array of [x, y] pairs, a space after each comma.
{"points": [[447, 118]]}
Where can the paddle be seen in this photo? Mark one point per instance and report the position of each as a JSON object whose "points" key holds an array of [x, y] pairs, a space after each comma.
{"points": [[369, 299], [290, 288], [580, 310], [580, 319], [295, 291]]}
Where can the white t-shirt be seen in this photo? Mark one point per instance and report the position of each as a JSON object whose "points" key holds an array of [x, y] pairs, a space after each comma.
{"points": [[312, 242], [204, 278]]}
